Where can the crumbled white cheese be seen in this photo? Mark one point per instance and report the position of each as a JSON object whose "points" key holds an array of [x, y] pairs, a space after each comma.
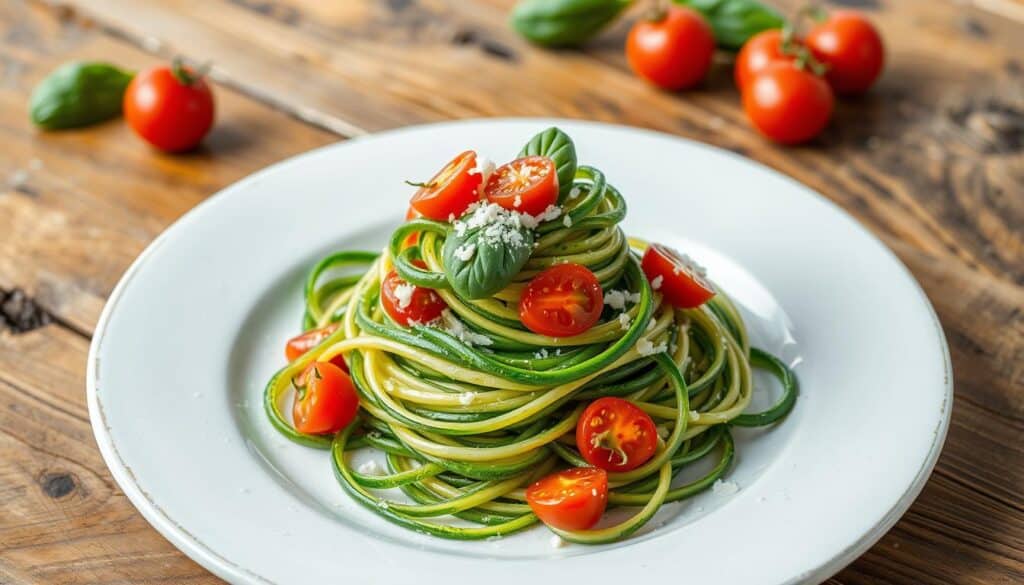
{"points": [[557, 541], [370, 468], [499, 225], [624, 321], [403, 293], [574, 192], [694, 416], [726, 488], [617, 299], [644, 347], [552, 212], [484, 167], [593, 492], [518, 201], [467, 398], [465, 251], [567, 221], [451, 217], [459, 330], [541, 353], [656, 283], [651, 325]]}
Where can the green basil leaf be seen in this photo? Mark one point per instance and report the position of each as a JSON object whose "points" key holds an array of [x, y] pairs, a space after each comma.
{"points": [[494, 261], [564, 23], [735, 21], [556, 145], [78, 94]]}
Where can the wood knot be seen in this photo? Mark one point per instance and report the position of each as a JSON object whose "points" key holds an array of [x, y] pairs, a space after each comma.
{"points": [[20, 313], [57, 484]]}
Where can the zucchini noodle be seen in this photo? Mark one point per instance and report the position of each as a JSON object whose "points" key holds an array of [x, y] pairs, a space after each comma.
{"points": [[465, 427]]}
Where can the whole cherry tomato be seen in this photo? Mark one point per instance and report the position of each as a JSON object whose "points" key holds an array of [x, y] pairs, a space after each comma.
{"points": [[527, 184], [573, 499], [562, 301], [788, 103], [614, 434], [325, 400], [674, 51], [852, 49], [169, 107]]}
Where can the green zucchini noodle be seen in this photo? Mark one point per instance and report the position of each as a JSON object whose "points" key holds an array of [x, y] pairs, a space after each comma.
{"points": [[466, 426]]}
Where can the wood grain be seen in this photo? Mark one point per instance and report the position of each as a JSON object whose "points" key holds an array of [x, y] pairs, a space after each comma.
{"points": [[932, 161]]}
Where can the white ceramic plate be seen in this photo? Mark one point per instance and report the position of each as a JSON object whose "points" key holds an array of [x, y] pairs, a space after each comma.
{"points": [[196, 326]]}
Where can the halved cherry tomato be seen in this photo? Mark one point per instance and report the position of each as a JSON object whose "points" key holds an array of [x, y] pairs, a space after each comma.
{"points": [[851, 47], [306, 341], [787, 103], [573, 499], [412, 239], [673, 52], [614, 434], [450, 191], [682, 281], [563, 300], [407, 303], [528, 185], [757, 53], [325, 400]]}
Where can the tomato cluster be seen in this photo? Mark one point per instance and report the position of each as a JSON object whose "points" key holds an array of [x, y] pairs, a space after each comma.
{"points": [[788, 81]]}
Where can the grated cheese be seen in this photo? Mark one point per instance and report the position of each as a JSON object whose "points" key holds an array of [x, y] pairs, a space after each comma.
{"points": [[403, 293], [459, 330], [465, 252], [557, 542], [617, 299], [567, 221], [541, 353], [574, 192], [484, 167], [656, 283], [370, 468], [517, 201], [726, 488], [645, 348], [624, 321]]}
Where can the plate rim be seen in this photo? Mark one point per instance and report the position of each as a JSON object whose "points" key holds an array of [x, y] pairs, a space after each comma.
{"points": [[226, 569]]}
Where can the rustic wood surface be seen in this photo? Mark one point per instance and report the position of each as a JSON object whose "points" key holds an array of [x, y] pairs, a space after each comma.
{"points": [[932, 161]]}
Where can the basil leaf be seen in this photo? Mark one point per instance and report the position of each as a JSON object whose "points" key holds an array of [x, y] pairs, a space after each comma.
{"points": [[556, 145], [735, 21], [494, 262], [563, 23], [78, 94]]}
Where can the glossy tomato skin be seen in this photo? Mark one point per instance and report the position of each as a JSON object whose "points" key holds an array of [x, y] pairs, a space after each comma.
{"points": [[424, 304], [573, 499], [674, 52], [852, 49], [307, 340], [448, 193], [528, 185], [757, 53], [562, 301], [680, 283], [615, 435], [326, 400], [788, 104], [167, 112]]}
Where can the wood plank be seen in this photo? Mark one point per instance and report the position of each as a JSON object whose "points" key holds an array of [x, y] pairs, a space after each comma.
{"points": [[76, 207]]}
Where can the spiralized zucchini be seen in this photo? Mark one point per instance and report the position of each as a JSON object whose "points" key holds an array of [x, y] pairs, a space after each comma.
{"points": [[465, 428]]}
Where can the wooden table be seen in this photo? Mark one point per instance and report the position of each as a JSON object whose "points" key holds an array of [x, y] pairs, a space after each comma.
{"points": [[932, 161]]}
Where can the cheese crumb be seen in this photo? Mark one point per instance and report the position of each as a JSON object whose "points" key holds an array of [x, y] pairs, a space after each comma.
{"points": [[574, 192], [465, 252], [656, 283], [557, 542], [651, 325], [467, 398], [403, 293], [624, 321], [645, 348], [617, 299], [484, 167], [694, 416], [370, 468], [726, 488], [517, 202], [459, 330], [541, 353], [567, 221]]}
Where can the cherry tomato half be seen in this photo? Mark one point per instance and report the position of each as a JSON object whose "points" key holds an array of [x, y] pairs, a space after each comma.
{"points": [[528, 185], [563, 300], [169, 107], [325, 400], [787, 103], [614, 434], [412, 239], [674, 52], [306, 341], [678, 278], [757, 53], [451, 190], [851, 47], [573, 499], [409, 304]]}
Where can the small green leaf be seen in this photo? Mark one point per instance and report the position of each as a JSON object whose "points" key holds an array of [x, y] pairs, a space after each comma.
{"points": [[78, 94], [735, 21], [497, 256], [556, 145], [564, 23]]}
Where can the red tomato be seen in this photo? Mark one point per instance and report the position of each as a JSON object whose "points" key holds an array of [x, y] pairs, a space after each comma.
{"points": [[573, 499], [788, 104], [674, 52], [614, 434], [169, 107], [757, 53], [412, 239], [325, 400], [306, 341], [451, 190], [527, 184], [563, 300], [682, 281], [409, 304], [851, 47]]}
